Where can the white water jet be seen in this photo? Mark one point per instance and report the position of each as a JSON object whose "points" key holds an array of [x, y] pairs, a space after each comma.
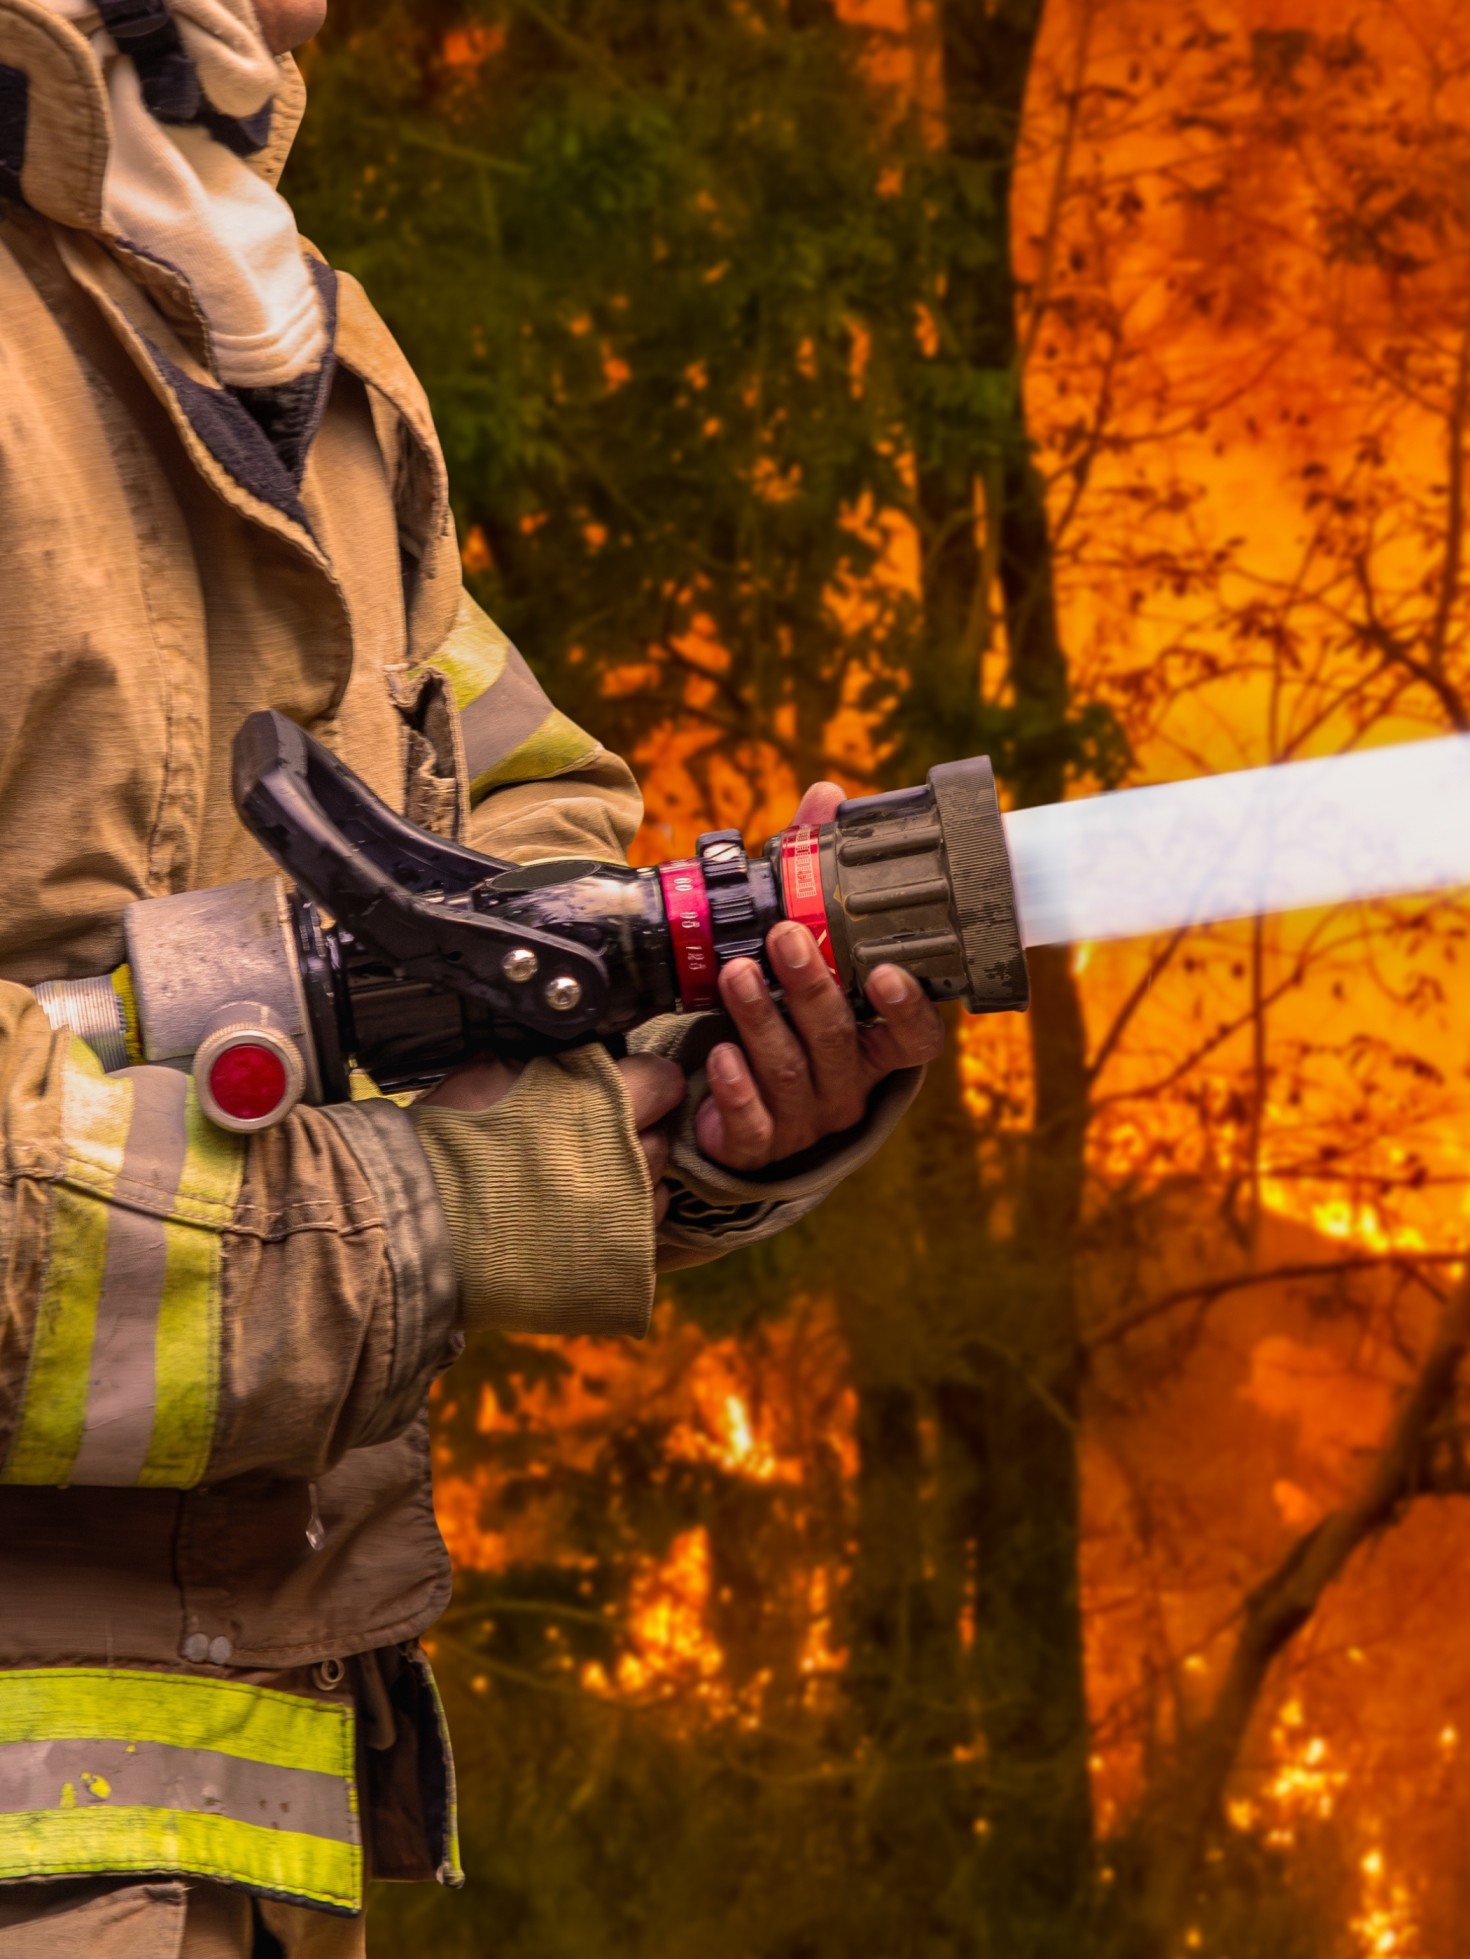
{"points": [[1383, 823]]}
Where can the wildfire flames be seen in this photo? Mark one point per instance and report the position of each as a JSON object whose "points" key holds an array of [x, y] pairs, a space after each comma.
{"points": [[672, 1654], [1339, 1152]]}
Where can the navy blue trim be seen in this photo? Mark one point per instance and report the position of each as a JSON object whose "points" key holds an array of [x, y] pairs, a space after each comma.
{"points": [[145, 31], [236, 441], [245, 135], [290, 415], [15, 112], [235, 433]]}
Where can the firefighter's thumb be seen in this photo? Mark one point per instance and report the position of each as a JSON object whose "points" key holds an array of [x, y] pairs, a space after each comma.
{"points": [[656, 1088]]}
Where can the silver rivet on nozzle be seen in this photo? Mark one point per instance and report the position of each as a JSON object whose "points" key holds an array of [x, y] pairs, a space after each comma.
{"points": [[520, 965], [563, 994]]}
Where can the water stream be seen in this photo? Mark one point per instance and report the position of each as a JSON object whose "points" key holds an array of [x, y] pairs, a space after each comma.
{"points": [[1384, 822]]}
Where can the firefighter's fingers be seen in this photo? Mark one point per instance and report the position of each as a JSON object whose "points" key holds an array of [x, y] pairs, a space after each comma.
{"points": [[656, 1151], [825, 1025], [734, 1126], [655, 1087], [776, 1057], [820, 803], [911, 1031]]}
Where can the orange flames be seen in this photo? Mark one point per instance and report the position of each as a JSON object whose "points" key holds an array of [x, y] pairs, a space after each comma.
{"points": [[731, 1413], [1275, 1405], [671, 1649]]}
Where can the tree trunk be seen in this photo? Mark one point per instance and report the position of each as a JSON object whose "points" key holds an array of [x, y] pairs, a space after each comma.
{"points": [[1009, 1398], [909, 1704]]}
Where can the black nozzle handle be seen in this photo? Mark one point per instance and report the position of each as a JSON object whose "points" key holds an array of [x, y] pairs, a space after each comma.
{"points": [[316, 816], [393, 886]]}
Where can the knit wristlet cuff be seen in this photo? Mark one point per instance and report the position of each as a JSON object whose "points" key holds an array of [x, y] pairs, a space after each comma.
{"points": [[548, 1201]]}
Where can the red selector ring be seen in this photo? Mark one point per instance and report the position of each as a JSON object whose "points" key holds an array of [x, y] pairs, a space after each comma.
{"points": [[691, 933], [801, 885]]}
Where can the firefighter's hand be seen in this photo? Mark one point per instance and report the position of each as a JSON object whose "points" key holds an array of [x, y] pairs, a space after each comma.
{"points": [[801, 1079], [655, 1089]]}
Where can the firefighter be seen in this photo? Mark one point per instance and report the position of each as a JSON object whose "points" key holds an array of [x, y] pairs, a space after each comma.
{"points": [[220, 489]]}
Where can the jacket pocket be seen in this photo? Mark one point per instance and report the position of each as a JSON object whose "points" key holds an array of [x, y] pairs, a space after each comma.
{"points": [[436, 780]]}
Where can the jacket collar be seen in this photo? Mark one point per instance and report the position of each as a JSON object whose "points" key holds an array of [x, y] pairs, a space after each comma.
{"points": [[67, 129], [55, 125]]}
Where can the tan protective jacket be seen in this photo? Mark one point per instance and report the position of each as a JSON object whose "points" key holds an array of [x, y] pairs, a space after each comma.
{"points": [[215, 1351]]}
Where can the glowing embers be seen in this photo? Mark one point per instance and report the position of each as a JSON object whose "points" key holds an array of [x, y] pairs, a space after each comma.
{"points": [[1385, 1923], [1306, 1791], [1306, 1782]]}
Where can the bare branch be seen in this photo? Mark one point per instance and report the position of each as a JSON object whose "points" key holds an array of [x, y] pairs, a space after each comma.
{"points": [[1276, 1611], [1119, 1327]]}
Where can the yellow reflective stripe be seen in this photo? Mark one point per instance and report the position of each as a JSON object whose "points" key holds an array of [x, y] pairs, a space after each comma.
{"points": [[54, 1408], [362, 1088], [214, 1163], [145, 1189], [555, 748], [186, 1355], [69, 1842], [122, 986], [97, 1112], [473, 657], [96, 1115], [259, 1724], [199, 1727], [511, 731], [186, 1360]]}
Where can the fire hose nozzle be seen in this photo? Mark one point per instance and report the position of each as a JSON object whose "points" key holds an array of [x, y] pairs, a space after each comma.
{"points": [[403, 954], [921, 878]]}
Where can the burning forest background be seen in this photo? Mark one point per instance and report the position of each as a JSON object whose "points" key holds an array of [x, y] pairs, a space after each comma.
{"points": [[1051, 1548]]}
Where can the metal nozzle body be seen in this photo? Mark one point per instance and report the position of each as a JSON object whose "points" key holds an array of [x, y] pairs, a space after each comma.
{"points": [[921, 878]]}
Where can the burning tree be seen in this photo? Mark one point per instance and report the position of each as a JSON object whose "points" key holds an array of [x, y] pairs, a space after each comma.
{"points": [[837, 389]]}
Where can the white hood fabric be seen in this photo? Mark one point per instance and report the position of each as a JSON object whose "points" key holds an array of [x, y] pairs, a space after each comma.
{"points": [[175, 193]]}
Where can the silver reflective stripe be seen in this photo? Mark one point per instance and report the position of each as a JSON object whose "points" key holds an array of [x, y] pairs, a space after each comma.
{"points": [[45, 1775], [496, 722], [91, 1008], [109, 1769], [122, 1387]]}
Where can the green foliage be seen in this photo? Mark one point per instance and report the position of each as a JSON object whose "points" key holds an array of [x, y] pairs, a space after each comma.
{"points": [[630, 280], [661, 269]]}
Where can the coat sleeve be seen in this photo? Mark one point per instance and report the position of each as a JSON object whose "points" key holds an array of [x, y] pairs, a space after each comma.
{"points": [[541, 787], [179, 1305]]}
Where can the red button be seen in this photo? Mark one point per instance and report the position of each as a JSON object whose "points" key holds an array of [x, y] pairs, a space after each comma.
{"points": [[248, 1081]]}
